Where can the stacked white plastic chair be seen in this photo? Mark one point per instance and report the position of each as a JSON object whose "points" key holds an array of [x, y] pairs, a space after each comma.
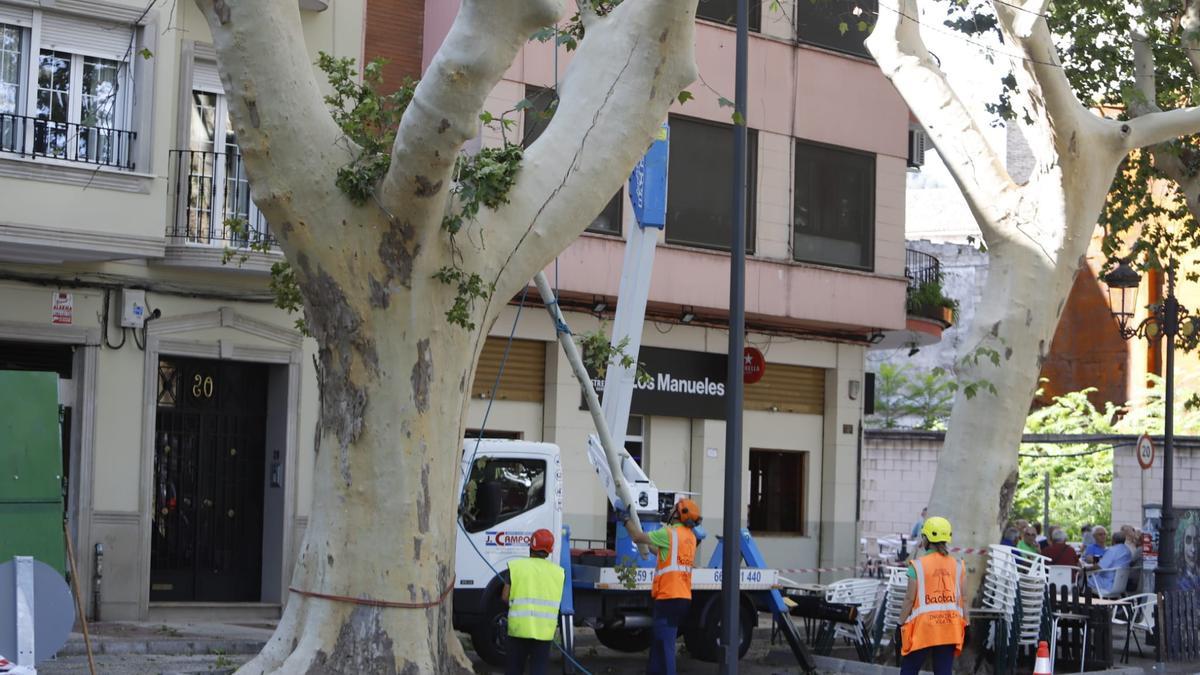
{"points": [[893, 599], [864, 593], [1012, 572]]}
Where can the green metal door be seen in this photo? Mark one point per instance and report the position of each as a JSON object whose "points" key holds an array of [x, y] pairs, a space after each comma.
{"points": [[31, 499]]}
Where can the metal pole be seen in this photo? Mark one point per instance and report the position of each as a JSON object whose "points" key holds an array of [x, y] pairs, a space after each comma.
{"points": [[1046, 507], [732, 559], [1165, 575]]}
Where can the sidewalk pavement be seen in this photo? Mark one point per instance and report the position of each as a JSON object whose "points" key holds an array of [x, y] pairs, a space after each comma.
{"points": [[127, 648]]}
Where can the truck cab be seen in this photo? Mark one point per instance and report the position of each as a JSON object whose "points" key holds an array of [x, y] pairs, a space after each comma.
{"points": [[508, 490]]}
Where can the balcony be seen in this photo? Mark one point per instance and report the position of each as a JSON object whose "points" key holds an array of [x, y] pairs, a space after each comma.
{"points": [[929, 310], [213, 214], [67, 141]]}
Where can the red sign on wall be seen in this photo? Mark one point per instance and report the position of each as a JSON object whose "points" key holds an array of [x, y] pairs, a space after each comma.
{"points": [[754, 365]]}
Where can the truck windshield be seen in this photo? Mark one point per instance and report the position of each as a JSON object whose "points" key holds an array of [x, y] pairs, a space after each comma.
{"points": [[500, 489]]}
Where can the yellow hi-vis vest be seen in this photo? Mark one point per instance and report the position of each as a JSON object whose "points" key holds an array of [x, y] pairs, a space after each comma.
{"points": [[535, 591]]}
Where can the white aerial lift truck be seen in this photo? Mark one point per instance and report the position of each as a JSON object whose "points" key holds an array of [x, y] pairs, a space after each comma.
{"points": [[509, 489]]}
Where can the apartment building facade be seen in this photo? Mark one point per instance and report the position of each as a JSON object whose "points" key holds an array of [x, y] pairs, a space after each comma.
{"points": [[187, 433], [825, 273]]}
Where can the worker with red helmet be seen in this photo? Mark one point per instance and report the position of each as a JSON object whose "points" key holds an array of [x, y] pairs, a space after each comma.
{"points": [[533, 593], [675, 545]]}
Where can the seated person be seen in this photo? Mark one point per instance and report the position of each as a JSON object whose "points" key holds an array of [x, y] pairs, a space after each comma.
{"points": [[1094, 551], [1059, 551], [1028, 541], [1116, 557], [1010, 536], [1133, 540]]}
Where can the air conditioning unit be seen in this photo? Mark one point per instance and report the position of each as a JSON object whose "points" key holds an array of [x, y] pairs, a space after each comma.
{"points": [[916, 147]]}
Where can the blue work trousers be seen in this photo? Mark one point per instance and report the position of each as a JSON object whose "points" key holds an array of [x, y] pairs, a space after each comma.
{"points": [[524, 650], [668, 614], [943, 660]]}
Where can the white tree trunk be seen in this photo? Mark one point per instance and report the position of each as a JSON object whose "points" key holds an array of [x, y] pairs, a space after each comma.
{"points": [[394, 374], [1037, 234]]}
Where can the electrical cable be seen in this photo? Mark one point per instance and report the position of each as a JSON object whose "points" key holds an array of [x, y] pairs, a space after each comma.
{"points": [[1073, 454], [104, 324]]}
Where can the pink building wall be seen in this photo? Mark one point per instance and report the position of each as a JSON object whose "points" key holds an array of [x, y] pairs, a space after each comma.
{"points": [[795, 91]]}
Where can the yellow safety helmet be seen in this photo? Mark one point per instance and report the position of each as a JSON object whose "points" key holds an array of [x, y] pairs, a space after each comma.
{"points": [[936, 529]]}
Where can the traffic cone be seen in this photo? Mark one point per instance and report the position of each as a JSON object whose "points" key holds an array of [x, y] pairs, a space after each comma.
{"points": [[1042, 665]]}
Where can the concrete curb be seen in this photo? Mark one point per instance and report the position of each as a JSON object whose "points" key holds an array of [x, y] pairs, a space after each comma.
{"points": [[202, 647], [828, 664]]}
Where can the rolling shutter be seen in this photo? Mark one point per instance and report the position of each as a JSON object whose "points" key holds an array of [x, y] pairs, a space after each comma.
{"points": [[790, 389], [205, 76], [524, 372], [16, 16], [88, 37]]}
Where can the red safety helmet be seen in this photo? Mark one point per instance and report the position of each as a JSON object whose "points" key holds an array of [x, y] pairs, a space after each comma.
{"points": [[542, 540], [689, 511]]}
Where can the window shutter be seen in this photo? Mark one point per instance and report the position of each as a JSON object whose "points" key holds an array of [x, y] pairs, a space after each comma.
{"points": [[205, 76], [90, 38], [16, 16]]}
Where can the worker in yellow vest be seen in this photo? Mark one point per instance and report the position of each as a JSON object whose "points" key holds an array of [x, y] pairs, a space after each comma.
{"points": [[533, 594], [675, 546], [933, 619]]}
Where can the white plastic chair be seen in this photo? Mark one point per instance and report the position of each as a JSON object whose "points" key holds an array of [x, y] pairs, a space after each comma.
{"points": [[1120, 580], [1137, 616], [864, 593], [1012, 572], [1061, 575]]}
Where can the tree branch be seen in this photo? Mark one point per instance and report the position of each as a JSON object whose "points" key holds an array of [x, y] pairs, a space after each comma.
{"points": [[901, 53], [444, 113], [287, 138], [1048, 97], [1029, 13], [1190, 23], [628, 70], [1160, 127]]}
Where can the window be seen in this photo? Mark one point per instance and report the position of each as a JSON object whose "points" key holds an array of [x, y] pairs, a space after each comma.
{"points": [[834, 215], [64, 89], [214, 205], [537, 117], [820, 22], [777, 491], [700, 184], [500, 489], [725, 11]]}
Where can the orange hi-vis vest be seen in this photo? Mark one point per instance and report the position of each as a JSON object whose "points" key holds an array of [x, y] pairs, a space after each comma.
{"points": [[937, 616], [673, 576]]}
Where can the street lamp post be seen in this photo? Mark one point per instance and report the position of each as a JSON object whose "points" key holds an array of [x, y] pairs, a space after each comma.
{"points": [[1167, 319]]}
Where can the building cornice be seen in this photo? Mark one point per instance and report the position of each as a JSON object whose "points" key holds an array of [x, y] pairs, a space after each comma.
{"points": [[48, 170], [101, 245]]}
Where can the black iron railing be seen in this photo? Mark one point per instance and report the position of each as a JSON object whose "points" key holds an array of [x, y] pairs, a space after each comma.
{"points": [[921, 268], [37, 137], [212, 201]]}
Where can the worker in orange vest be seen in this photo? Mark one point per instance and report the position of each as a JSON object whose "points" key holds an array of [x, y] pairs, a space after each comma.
{"points": [[933, 619], [675, 546]]}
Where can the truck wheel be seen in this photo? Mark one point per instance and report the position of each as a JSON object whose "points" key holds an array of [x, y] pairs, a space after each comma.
{"points": [[627, 640], [702, 636], [489, 637]]}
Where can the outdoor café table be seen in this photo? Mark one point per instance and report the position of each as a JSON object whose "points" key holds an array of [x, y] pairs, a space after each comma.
{"points": [[1092, 615]]}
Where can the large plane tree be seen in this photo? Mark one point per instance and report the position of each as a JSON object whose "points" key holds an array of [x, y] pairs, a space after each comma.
{"points": [[405, 256], [1036, 231]]}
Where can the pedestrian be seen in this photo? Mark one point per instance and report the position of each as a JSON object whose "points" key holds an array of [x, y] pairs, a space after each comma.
{"points": [[675, 546], [533, 593], [916, 528], [933, 618]]}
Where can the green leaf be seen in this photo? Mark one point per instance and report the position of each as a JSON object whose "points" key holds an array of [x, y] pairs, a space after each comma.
{"points": [[724, 102], [738, 119], [523, 104], [685, 96], [843, 27], [862, 26], [145, 53]]}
